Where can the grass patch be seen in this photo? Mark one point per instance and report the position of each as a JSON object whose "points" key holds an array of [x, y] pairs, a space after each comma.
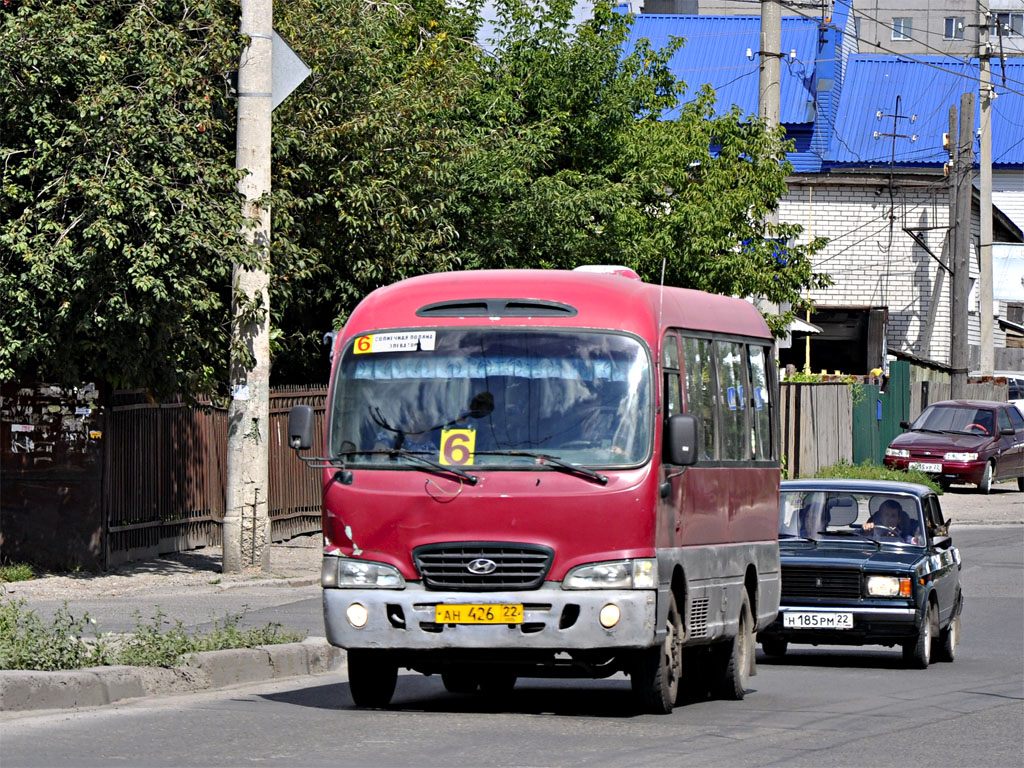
{"points": [[16, 572], [868, 470], [67, 642]]}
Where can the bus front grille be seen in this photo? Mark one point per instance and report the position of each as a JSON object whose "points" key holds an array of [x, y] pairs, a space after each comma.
{"points": [[482, 566]]}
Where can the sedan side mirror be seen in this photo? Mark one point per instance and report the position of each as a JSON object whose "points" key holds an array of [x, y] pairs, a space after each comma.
{"points": [[681, 440], [300, 427], [904, 425], [1006, 431], [942, 542]]}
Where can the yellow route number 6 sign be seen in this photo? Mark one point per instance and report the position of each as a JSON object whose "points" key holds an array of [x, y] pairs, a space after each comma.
{"points": [[457, 446]]}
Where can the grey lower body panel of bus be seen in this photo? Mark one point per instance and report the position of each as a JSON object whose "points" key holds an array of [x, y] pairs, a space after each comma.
{"points": [[714, 578], [553, 619]]}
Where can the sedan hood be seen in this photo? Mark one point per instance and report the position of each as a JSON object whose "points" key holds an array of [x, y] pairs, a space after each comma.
{"points": [[946, 441], [847, 554]]}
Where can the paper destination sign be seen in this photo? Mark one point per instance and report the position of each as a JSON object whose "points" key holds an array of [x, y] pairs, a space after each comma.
{"points": [[409, 341]]}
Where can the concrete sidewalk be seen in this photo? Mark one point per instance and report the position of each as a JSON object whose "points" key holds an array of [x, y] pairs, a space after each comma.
{"points": [[96, 686]]}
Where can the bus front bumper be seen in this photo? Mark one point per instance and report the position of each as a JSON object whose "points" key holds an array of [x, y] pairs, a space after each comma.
{"points": [[552, 619]]}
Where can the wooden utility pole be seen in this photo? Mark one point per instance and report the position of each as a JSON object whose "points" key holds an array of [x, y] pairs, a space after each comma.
{"points": [[987, 358], [961, 178], [246, 513]]}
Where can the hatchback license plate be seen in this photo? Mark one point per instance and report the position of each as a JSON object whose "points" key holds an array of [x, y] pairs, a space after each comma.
{"points": [[817, 620], [926, 466], [488, 613]]}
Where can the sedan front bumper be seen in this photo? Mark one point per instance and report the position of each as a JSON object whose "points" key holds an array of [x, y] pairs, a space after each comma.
{"points": [[872, 625], [952, 471]]}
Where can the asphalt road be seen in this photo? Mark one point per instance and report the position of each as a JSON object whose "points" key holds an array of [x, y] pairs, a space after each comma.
{"points": [[814, 707]]}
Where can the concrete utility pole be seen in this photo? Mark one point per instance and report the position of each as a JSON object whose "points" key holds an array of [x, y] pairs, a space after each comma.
{"points": [[768, 73], [987, 359], [960, 240], [246, 513]]}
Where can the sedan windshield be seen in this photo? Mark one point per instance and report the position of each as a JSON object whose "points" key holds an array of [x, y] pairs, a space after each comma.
{"points": [[961, 419], [885, 518], [483, 397]]}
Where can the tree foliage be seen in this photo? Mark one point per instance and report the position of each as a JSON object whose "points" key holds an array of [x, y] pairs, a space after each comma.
{"points": [[410, 149], [119, 219]]}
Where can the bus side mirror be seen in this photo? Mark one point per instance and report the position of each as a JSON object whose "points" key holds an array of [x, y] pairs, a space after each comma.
{"points": [[300, 427], [681, 442]]}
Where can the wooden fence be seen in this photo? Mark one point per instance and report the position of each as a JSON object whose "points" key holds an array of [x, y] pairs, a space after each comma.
{"points": [[817, 426], [166, 470]]}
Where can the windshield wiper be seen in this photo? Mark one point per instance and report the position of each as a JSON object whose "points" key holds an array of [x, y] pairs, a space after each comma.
{"points": [[926, 429], [846, 532], [554, 461], [436, 466]]}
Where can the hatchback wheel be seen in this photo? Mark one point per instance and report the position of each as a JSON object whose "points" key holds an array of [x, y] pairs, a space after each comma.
{"points": [[985, 486]]}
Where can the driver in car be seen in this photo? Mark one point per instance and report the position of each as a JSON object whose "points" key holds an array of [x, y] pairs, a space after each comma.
{"points": [[891, 522]]}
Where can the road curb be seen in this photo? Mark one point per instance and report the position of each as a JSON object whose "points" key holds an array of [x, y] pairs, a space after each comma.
{"points": [[98, 686]]}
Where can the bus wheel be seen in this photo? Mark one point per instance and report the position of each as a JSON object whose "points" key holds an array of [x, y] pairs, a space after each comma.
{"points": [[459, 680], [371, 678], [736, 666], [496, 683], [656, 671], [774, 647]]}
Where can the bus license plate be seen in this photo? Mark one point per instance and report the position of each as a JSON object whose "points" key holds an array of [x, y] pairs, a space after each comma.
{"points": [[817, 620], [478, 614], [926, 466]]}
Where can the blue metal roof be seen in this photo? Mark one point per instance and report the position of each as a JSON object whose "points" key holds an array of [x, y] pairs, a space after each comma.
{"points": [[926, 86], [716, 53]]}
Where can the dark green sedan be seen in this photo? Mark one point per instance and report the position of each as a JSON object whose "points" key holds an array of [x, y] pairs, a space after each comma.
{"points": [[866, 562]]}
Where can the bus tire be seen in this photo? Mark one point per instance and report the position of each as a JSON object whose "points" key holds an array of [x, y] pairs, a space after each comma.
{"points": [[740, 657], [496, 683], [656, 672], [459, 680], [371, 678]]}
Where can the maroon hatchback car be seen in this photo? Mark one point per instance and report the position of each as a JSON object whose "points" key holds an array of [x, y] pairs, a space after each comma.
{"points": [[963, 441]]}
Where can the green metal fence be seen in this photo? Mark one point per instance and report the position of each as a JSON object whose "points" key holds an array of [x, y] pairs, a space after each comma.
{"points": [[877, 414]]}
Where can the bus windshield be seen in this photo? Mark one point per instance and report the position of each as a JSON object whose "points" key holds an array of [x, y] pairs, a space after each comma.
{"points": [[492, 397]]}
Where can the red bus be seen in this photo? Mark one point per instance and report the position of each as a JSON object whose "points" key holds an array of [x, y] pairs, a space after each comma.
{"points": [[549, 474]]}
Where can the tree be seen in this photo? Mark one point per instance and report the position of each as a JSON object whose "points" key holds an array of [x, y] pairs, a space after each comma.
{"points": [[586, 156], [119, 219]]}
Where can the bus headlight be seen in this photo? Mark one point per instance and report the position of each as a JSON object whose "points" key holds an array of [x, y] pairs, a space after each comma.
{"points": [[344, 572], [621, 574]]}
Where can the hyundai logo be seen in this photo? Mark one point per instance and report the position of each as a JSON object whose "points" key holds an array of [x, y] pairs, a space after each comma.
{"points": [[482, 566]]}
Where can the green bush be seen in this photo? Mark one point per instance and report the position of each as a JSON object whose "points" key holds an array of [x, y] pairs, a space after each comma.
{"points": [[26, 642], [868, 470], [16, 572]]}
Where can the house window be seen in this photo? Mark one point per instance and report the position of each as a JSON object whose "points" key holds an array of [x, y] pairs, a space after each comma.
{"points": [[1010, 25], [954, 28], [856, 27], [901, 27]]}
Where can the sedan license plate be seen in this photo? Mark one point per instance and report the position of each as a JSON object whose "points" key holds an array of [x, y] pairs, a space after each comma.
{"points": [[817, 620], [926, 466], [478, 614]]}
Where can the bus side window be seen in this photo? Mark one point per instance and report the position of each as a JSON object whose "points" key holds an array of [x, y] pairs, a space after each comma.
{"points": [[732, 400], [699, 379], [670, 368], [760, 404]]}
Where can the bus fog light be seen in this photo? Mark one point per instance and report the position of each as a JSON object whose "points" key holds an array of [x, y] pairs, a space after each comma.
{"points": [[609, 616], [357, 615]]}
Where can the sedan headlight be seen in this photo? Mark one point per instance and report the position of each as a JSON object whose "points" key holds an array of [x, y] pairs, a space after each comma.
{"points": [[344, 572], [899, 453], [622, 574], [954, 456], [888, 586]]}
